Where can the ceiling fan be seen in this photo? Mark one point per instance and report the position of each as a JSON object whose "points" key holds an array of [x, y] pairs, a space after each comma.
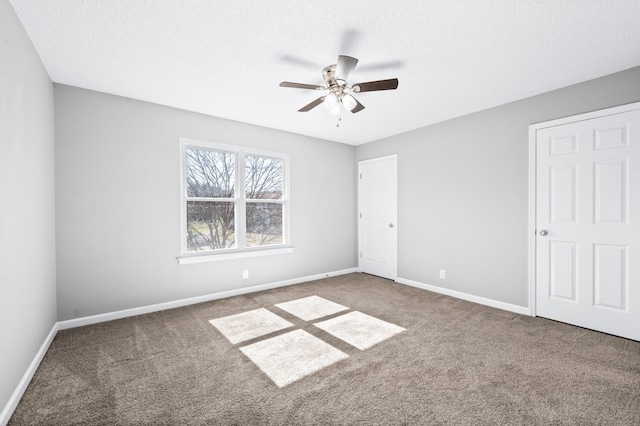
{"points": [[340, 92]]}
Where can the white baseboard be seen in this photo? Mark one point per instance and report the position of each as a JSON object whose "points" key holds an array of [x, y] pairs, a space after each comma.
{"points": [[8, 410], [523, 310], [94, 319]]}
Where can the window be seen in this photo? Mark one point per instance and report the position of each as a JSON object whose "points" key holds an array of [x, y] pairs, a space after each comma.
{"points": [[234, 200]]}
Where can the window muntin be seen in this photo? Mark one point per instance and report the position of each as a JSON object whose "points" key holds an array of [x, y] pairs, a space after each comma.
{"points": [[234, 199]]}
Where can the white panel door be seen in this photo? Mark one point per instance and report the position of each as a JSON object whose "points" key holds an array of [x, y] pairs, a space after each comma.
{"points": [[588, 223], [378, 236]]}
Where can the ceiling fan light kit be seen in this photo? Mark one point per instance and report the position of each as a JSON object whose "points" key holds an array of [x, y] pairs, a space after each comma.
{"points": [[349, 102], [340, 93]]}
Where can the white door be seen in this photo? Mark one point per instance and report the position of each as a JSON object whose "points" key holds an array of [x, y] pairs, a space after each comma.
{"points": [[377, 202], [588, 223]]}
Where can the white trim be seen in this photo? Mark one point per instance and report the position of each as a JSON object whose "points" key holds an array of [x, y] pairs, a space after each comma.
{"points": [[240, 219], [531, 223], [239, 200], [214, 257], [531, 226], [373, 160], [26, 378], [522, 310], [94, 319], [586, 116], [361, 242], [11, 405]]}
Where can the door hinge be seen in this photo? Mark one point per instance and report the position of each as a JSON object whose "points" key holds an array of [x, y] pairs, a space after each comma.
{"points": [[360, 175], [360, 215], [360, 254]]}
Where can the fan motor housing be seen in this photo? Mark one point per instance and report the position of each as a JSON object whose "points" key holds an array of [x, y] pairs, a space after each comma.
{"points": [[329, 74]]}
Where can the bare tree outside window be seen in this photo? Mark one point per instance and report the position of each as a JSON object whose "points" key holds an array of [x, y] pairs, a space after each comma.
{"points": [[263, 181], [263, 178], [212, 202], [210, 223]]}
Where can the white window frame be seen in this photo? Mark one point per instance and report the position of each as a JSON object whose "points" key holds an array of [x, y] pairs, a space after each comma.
{"points": [[240, 202]]}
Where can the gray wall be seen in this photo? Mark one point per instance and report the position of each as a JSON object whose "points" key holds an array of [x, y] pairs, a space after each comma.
{"points": [[462, 189], [118, 204], [27, 221]]}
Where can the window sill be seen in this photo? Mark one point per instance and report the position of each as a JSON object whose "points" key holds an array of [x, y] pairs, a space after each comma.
{"points": [[201, 258]]}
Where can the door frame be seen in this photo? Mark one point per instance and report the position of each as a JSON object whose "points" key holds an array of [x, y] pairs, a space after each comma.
{"points": [[359, 211], [531, 226]]}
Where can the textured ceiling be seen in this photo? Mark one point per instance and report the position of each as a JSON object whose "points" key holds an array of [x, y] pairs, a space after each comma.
{"points": [[226, 58]]}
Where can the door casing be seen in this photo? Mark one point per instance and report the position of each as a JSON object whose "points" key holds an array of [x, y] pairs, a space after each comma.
{"points": [[532, 184], [394, 157]]}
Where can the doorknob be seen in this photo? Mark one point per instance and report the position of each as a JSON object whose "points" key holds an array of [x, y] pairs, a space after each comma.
{"points": [[544, 232], [391, 225]]}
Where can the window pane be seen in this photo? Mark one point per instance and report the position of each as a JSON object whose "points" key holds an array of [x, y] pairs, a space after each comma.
{"points": [[210, 225], [263, 178], [264, 224], [210, 173]]}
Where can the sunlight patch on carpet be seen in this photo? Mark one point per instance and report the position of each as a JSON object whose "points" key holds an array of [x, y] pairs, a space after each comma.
{"points": [[359, 330], [312, 307], [249, 325], [292, 356]]}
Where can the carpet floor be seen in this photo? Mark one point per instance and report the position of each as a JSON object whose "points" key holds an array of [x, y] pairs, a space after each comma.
{"points": [[451, 362]]}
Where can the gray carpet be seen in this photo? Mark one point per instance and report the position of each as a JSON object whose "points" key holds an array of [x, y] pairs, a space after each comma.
{"points": [[457, 363]]}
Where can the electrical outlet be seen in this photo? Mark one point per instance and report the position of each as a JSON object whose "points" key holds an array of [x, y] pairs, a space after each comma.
{"points": [[245, 274], [443, 275]]}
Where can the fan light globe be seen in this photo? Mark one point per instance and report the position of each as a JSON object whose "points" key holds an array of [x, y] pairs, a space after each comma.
{"points": [[349, 102], [331, 102]]}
